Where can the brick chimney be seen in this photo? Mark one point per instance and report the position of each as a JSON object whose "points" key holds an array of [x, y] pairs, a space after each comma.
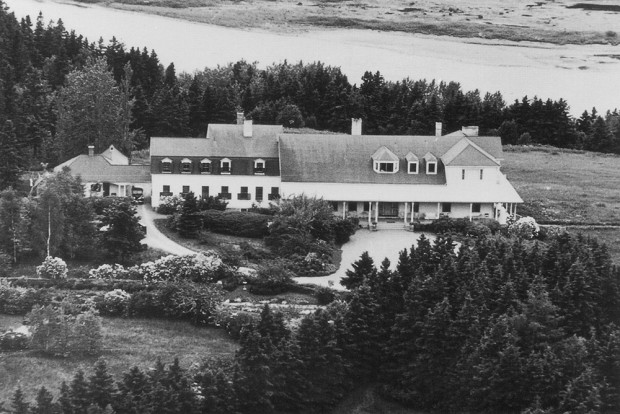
{"points": [[247, 128], [438, 127], [470, 131], [356, 126], [91, 150], [240, 118]]}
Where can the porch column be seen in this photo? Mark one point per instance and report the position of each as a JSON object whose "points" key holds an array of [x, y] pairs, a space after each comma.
{"points": [[377, 213], [515, 209], [471, 207], [438, 209], [369, 213], [344, 210], [412, 212], [406, 207]]}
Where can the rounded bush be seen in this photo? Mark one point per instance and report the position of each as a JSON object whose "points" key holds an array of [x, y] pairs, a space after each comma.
{"points": [[52, 268]]}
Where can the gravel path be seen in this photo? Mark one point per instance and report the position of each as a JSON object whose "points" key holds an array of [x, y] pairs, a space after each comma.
{"points": [[154, 238], [379, 244]]}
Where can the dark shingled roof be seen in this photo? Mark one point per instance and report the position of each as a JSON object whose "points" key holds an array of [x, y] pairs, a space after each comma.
{"points": [[347, 158], [98, 169], [222, 141]]}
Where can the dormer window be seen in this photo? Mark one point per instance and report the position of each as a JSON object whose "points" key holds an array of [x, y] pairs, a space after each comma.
{"points": [[431, 168], [225, 166], [186, 166], [205, 166], [431, 163], [259, 166], [412, 163], [385, 161], [166, 165]]}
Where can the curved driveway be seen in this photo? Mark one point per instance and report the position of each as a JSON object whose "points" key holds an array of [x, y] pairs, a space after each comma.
{"points": [[379, 244], [155, 238]]}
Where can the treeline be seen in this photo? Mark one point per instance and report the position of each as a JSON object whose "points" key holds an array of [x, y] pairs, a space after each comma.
{"points": [[36, 59], [502, 325]]}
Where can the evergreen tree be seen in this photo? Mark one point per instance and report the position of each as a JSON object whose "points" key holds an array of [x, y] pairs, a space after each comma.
{"points": [[190, 222], [101, 388], [79, 394], [364, 268], [19, 403], [124, 232], [43, 403]]}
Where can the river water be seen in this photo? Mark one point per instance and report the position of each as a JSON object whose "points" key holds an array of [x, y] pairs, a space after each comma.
{"points": [[585, 76]]}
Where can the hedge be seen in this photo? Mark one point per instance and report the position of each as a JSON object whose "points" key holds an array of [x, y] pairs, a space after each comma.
{"points": [[236, 223]]}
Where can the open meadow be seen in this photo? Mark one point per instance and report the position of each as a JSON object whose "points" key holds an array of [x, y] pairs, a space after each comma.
{"points": [[127, 343]]}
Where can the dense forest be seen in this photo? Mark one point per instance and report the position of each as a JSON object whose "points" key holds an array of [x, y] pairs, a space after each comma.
{"points": [[59, 92], [499, 325]]}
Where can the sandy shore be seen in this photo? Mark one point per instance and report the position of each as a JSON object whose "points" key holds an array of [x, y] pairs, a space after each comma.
{"points": [[538, 21]]}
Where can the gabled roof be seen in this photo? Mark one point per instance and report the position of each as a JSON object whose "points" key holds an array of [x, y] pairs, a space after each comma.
{"points": [[429, 157], [222, 141], [411, 157], [345, 158], [115, 156], [384, 154], [467, 153], [99, 169]]}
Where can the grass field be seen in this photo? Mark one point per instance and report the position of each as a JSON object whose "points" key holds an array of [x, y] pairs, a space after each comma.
{"points": [[127, 342], [568, 186], [578, 187]]}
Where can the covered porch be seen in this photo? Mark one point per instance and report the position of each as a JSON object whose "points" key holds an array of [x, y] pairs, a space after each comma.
{"points": [[392, 215]]}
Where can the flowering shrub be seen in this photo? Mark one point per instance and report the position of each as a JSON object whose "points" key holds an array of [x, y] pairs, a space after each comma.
{"points": [[115, 303], [19, 300], [189, 301], [52, 268], [234, 320], [525, 227], [170, 204], [107, 271], [202, 267], [13, 341]]}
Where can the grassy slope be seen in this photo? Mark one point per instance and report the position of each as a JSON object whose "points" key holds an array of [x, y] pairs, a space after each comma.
{"points": [[127, 342]]}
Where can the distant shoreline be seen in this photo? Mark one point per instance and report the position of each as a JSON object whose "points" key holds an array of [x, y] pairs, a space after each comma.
{"points": [[427, 18]]}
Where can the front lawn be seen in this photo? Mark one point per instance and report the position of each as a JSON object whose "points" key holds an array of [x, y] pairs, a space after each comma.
{"points": [[127, 342]]}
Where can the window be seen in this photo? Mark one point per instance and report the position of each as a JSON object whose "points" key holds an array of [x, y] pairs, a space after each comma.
{"points": [[205, 192], [225, 166], [224, 194], [446, 207], [205, 166], [431, 168], [462, 174], [166, 165], [475, 208], [243, 195], [334, 205], [166, 189], [416, 207], [185, 189], [259, 166], [259, 193], [352, 206], [366, 206], [386, 167], [413, 168], [481, 173], [412, 163], [186, 166], [275, 193]]}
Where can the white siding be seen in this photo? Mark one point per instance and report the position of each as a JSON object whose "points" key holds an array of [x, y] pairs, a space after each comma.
{"points": [[215, 183]]}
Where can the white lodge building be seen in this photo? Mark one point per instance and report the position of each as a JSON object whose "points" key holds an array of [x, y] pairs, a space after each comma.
{"points": [[378, 178]]}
